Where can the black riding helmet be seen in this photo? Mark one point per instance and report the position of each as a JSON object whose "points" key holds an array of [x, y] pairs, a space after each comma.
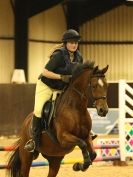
{"points": [[70, 35]]}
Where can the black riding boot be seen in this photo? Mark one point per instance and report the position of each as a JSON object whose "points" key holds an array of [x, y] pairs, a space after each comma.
{"points": [[34, 143]]}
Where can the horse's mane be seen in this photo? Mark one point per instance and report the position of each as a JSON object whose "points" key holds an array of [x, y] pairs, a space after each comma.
{"points": [[79, 68]]}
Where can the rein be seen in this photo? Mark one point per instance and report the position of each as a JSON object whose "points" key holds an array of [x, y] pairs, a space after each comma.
{"points": [[84, 96], [80, 93]]}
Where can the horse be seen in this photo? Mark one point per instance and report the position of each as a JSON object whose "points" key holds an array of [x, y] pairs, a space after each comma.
{"points": [[71, 125]]}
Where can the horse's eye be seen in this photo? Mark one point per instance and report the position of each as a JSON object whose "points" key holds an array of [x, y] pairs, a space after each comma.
{"points": [[94, 86]]}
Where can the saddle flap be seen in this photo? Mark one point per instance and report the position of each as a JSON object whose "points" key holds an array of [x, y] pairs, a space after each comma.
{"points": [[49, 109], [46, 114]]}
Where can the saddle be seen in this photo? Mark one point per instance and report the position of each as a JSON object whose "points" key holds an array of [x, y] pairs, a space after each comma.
{"points": [[48, 111], [47, 117]]}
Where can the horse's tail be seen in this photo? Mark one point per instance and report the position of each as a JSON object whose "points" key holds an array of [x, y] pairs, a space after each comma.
{"points": [[14, 163]]}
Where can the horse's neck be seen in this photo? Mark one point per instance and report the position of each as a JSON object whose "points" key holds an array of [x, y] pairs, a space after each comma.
{"points": [[80, 89], [73, 97], [82, 81]]}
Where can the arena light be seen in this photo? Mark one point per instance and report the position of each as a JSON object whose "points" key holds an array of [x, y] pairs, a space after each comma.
{"points": [[129, 2]]}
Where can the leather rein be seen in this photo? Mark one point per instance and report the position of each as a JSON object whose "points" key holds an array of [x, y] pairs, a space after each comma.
{"points": [[83, 96]]}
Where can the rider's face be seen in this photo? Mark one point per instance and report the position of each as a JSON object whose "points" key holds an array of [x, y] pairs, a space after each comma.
{"points": [[72, 46]]}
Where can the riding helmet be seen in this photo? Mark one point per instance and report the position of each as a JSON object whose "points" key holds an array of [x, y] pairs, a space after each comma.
{"points": [[71, 34]]}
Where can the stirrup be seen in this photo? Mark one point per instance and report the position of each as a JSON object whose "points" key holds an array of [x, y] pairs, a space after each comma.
{"points": [[28, 145]]}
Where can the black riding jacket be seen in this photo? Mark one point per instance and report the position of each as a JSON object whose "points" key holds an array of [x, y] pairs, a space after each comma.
{"points": [[60, 63]]}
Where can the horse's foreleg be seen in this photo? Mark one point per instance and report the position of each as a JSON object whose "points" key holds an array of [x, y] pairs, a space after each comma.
{"points": [[67, 140], [90, 148], [86, 156], [54, 165]]}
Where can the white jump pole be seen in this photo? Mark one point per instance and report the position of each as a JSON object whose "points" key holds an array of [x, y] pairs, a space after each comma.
{"points": [[125, 124], [122, 84]]}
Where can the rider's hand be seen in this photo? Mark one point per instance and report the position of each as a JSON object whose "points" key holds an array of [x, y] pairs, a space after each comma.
{"points": [[66, 78]]}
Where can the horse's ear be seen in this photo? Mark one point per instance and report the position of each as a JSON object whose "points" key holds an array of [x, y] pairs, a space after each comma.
{"points": [[95, 69], [104, 70]]}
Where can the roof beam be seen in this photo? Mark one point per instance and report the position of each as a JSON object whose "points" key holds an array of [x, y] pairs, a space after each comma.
{"points": [[78, 12]]}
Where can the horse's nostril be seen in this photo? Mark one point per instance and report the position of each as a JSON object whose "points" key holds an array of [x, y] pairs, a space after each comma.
{"points": [[101, 110]]}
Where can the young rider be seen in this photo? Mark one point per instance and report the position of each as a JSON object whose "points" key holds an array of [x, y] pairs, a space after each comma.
{"points": [[56, 75]]}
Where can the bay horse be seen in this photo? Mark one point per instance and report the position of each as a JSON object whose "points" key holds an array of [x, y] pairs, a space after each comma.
{"points": [[71, 126]]}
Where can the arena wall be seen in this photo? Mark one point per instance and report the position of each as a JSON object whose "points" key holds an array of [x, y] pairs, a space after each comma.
{"points": [[17, 101], [109, 40]]}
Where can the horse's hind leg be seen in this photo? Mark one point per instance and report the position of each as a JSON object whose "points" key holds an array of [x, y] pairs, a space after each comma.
{"points": [[54, 165]]}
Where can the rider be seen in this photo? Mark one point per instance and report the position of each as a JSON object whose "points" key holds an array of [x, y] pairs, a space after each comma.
{"points": [[56, 76]]}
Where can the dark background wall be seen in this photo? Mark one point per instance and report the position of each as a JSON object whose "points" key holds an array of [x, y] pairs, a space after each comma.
{"points": [[17, 101]]}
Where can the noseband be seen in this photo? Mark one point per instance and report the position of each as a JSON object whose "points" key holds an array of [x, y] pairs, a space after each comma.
{"points": [[98, 98]]}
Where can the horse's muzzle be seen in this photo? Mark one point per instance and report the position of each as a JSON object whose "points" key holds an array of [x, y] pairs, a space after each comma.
{"points": [[102, 111]]}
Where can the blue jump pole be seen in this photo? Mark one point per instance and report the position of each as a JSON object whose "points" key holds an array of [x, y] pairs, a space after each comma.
{"points": [[69, 161]]}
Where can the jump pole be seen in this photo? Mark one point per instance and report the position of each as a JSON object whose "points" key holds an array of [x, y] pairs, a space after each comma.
{"points": [[69, 161], [104, 146]]}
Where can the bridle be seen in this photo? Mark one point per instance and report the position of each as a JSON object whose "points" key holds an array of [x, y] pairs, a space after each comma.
{"points": [[84, 96], [97, 98]]}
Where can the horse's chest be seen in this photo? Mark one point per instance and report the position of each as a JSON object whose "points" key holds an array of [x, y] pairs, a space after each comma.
{"points": [[82, 128]]}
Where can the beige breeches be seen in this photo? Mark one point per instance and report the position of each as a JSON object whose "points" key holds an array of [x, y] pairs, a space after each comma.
{"points": [[42, 95]]}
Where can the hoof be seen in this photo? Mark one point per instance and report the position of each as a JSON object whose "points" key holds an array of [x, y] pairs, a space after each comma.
{"points": [[76, 167], [80, 167], [93, 155]]}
